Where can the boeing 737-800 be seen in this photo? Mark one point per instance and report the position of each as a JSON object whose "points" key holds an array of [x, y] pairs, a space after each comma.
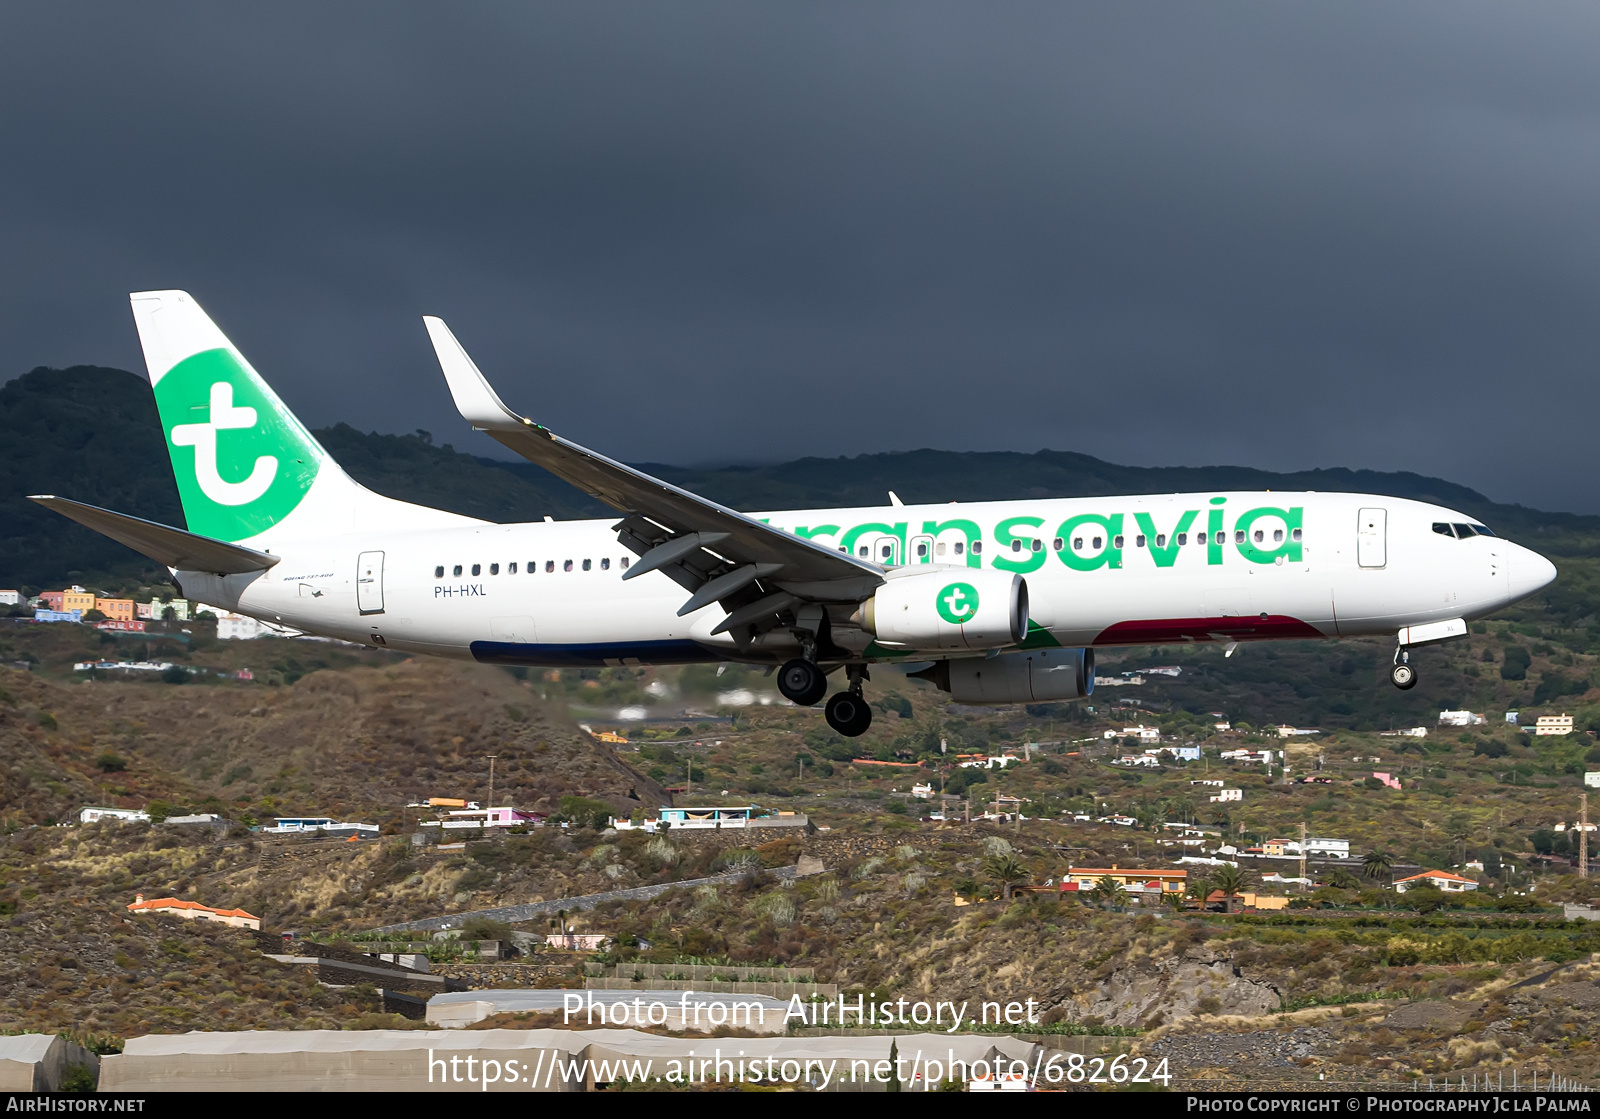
{"points": [[1006, 599]]}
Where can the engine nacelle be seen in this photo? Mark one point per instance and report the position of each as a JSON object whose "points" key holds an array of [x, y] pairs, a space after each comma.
{"points": [[1034, 676], [948, 609]]}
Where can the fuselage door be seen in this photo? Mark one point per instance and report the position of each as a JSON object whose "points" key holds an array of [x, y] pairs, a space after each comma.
{"points": [[1372, 537], [369, 583]]}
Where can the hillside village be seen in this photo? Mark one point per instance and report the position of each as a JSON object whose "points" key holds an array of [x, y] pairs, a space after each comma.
{"points": [[340, 799]]}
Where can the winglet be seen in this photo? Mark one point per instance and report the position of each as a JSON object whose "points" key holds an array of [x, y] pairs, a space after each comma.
{"points": [[475, 398]]}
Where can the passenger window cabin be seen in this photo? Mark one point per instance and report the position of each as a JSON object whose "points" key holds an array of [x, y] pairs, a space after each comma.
{"points": [[477, 569], [438, 572]]}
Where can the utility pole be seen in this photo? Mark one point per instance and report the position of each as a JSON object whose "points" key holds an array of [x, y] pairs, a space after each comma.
{"points": [[1583, 835], [1302, 856], [490, 805]]}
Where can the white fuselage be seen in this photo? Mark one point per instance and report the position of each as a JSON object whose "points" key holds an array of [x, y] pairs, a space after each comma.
{"points": [[1099, 571]]}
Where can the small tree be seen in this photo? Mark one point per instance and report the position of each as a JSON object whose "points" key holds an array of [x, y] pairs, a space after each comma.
{"points": [[1007, 871], [1109, 894], [1230, 880], [1377, 864], [1173, 900]]}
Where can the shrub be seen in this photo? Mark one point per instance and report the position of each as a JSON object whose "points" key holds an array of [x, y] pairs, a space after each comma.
{"points": [[1490, 749], [484, 928], [110, 763], [776, 906], [1515, 666]]}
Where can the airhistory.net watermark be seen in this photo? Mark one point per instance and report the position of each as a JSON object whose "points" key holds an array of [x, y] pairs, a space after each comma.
{"points": [[693, 1010]]}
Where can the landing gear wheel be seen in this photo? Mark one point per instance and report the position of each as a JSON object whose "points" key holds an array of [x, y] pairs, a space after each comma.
{"points": [[802, 682], [848, 714], [1403, 676]]}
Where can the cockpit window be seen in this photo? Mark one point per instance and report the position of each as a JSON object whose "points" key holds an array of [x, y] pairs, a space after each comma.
{"points": [[1460, 531]]}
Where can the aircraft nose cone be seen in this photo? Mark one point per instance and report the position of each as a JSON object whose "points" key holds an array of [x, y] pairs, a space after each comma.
{"points": [[1529, 572]]}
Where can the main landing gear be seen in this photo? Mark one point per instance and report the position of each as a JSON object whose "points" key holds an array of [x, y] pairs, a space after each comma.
{"points": [[1402, 675], [803, 683], [848, 712]]}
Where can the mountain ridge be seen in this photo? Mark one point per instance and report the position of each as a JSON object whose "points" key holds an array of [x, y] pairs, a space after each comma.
{"points": [[92, 433]]}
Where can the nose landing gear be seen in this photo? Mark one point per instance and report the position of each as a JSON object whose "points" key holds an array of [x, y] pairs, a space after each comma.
{"points": [[1402, 675], [847, 712]]}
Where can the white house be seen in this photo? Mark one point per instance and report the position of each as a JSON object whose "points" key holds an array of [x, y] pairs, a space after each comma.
{"points": [[1553, 724], [1408, 732], [1460, 719], [1439, 879], [1183, 753], [922, 792], [1328, 848], [1223, 795], [10, 598], [1141, 732], [237, 627], [290, 825], [1149, 761], [1286, 731], [90, 815]]}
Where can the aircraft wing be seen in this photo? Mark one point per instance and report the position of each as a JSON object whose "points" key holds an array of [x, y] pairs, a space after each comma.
{"points": [[718, 553], [168, 546]]}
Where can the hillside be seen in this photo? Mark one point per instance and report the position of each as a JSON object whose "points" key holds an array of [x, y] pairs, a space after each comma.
{"points": [[353, 743]]}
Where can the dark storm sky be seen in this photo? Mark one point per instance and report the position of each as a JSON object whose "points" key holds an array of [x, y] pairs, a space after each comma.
{"points": [[1283, 235]]}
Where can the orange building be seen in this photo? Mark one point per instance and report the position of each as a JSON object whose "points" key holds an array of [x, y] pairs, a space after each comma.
{"points": [[119, 609], [193, 910]]}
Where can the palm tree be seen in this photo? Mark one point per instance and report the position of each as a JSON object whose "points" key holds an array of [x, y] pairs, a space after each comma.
{"points": [[1230, 880], [1108, 893], [1198, 890], [1173, 900], [1342, 879], [1376, 864], [1006, 870]]}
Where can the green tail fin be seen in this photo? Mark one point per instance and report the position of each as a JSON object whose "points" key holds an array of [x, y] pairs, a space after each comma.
{"points": [[243, 462]]}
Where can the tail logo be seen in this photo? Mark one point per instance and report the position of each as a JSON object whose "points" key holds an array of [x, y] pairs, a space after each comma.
{"points": [[203, 438], [241, 460]]}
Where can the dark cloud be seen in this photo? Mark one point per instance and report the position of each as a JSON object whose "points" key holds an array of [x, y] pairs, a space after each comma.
{"points": [[1276, 235]]}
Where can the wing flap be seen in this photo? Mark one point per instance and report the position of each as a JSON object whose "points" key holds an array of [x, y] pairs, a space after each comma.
{"points": [[168, 546]]}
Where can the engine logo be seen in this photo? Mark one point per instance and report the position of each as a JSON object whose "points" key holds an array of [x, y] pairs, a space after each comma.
{"points": [[957, 603]]}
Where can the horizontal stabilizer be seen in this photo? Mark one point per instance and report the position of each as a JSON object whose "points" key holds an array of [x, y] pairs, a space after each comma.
{"points": [[168, 546]]}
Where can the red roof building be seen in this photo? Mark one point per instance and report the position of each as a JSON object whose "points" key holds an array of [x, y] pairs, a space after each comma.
{"points": [[1439, 879], [193, 910]]}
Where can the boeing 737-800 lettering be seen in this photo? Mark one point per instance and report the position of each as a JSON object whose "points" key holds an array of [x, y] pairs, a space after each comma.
{"points": [[1004, 600]]}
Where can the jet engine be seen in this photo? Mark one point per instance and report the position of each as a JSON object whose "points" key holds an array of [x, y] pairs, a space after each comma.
{"points": [[1034, 676], [948, 609]]}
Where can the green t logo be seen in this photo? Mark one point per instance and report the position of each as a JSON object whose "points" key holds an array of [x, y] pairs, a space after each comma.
{"points": [[203, 438], [958, 603], [241, 460]]}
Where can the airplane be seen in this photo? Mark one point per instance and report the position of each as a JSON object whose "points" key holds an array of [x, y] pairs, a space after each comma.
{"points": [[995, 602]]}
